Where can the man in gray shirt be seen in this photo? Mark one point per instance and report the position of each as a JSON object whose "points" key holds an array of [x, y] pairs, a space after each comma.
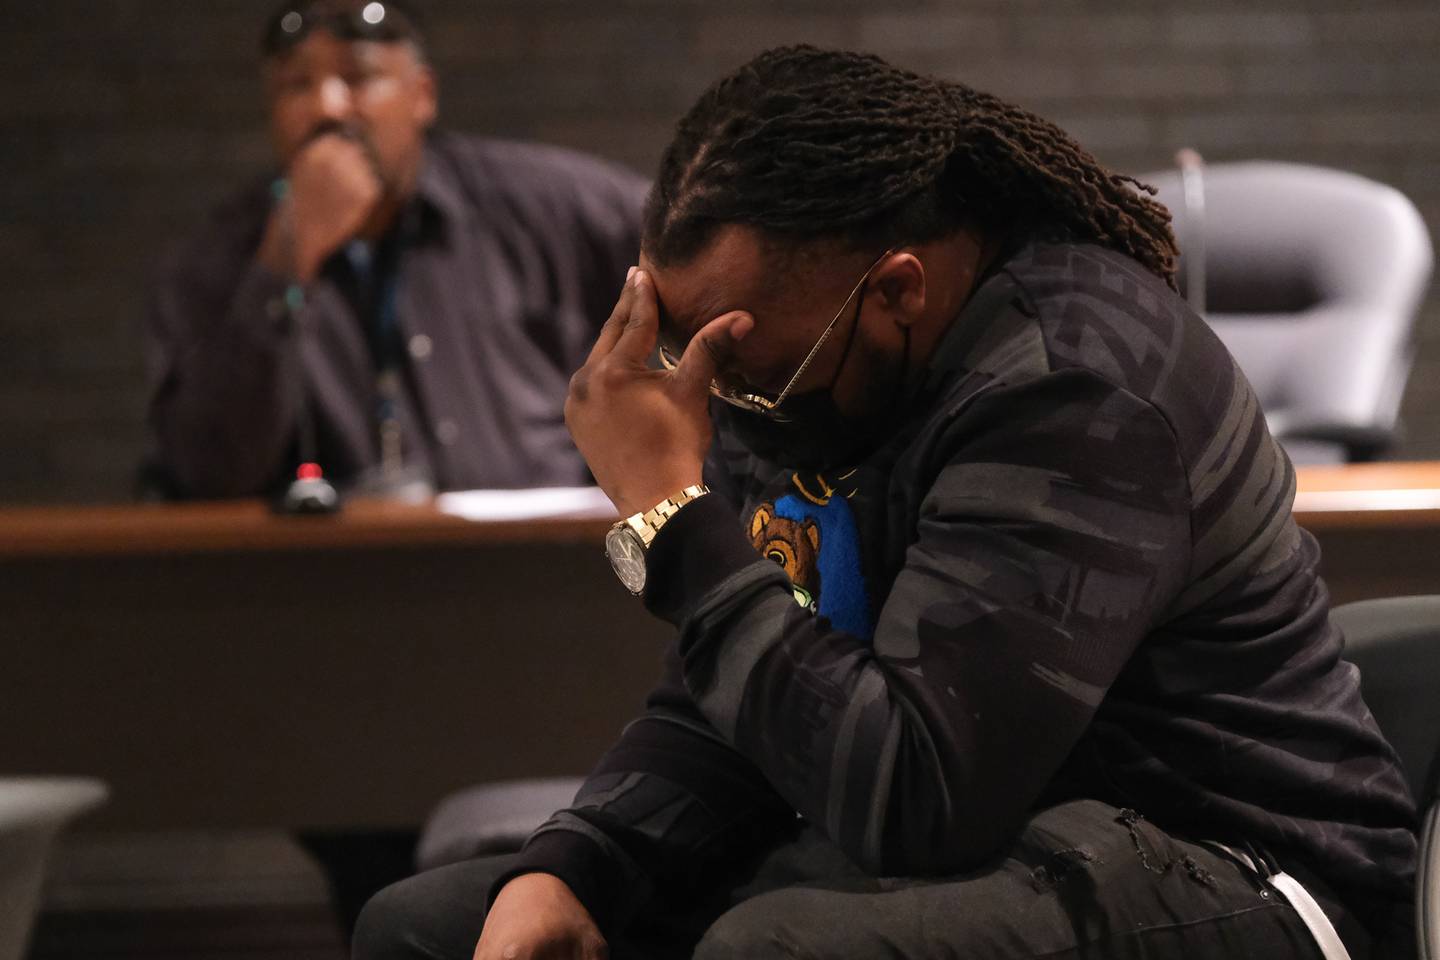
{"points": [[397, 304]]}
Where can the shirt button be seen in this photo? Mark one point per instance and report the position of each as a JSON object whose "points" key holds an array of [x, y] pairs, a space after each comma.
{"points": [[447, 431], [421, 347]]}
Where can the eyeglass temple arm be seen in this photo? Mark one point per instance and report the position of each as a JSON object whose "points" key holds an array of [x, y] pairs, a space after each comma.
{"points": [[809, 357]]}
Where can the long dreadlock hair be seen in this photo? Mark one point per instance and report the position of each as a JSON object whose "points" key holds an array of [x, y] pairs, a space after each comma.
{"points": [[804, 144]]}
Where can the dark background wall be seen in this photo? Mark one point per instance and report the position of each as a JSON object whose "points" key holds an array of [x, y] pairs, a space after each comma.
{"points": [[123, 120]]}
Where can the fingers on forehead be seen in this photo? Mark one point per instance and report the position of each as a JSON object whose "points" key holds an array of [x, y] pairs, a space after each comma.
{"points": [[672, 335], [614, 325], [621, 313], [638, 337]]}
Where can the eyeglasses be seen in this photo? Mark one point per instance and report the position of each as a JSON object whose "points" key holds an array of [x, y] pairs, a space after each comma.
{"points": [[753, 402], [378, 22]]}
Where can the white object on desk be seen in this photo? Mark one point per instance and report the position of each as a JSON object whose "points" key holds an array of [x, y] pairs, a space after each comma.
{"points": [[532, 504]]}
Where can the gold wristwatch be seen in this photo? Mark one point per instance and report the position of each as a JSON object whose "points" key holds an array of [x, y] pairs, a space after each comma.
{"points": [[627, 541]]}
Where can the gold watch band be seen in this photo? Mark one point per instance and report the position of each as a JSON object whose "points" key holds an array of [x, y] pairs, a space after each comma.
{"points": [[647, 523]]}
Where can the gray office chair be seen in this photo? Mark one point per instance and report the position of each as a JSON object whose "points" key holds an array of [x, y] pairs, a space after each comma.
{"points": [[1396, 644], [1312, 278], [33, 810]]}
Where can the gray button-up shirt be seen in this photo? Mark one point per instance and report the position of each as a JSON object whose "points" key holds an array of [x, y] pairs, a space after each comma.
{"points": [[510, 257]]}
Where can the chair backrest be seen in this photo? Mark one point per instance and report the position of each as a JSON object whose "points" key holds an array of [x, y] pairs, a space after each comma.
{"points": [[1314, 278], [1396, 644]]}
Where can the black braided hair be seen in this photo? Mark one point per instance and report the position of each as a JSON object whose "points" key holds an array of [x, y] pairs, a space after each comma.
{"points": [[808, 144]]}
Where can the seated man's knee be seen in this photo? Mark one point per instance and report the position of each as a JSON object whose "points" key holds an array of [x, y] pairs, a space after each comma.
{"points": [[437, 915], [386, 928], [782, 925]]}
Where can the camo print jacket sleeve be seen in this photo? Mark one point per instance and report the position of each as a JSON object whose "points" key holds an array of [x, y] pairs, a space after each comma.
{"points": [[1049, 525]]}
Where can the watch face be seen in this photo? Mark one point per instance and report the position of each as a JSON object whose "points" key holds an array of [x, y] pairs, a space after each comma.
{"points": [[627, 556]]}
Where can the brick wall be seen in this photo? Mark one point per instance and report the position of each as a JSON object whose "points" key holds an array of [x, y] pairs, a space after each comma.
{"points": [[124, 119]]}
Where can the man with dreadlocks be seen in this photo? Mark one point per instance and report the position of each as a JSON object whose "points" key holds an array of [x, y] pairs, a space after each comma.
{"points": [[981, 561]]}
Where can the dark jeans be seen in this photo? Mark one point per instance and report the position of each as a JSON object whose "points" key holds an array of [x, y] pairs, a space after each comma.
{"points": [[1083, 880]]}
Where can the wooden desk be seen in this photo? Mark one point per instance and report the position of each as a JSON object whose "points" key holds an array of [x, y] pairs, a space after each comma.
{"points": [[221, 666], [1373, 496], [224, 667], [251, 527], [1378, 525], [1402, 497]]}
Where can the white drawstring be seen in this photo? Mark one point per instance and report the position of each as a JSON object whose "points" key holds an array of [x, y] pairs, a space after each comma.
{"points": [[1298, 897]]}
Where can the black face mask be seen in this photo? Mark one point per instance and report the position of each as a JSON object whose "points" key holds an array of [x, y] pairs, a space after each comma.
{"points": [[817, 436]]}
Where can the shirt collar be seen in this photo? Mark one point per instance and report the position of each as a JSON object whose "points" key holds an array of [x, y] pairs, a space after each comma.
{"points": [[437, 188], [995, 292]]}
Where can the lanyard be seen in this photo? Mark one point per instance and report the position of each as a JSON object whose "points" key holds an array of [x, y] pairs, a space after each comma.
{"points": [[378, 277]]}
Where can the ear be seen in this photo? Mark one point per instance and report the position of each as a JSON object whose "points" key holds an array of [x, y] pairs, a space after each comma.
{"points": [[761, 519], [427, 96], [898, 285], [812, 532]]}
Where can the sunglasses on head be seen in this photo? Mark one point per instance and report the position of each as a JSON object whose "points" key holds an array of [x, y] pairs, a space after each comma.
{"points": [[378, 22]]}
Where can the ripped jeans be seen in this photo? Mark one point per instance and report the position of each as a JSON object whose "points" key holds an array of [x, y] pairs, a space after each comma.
{"points": [[1083, 879]]}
